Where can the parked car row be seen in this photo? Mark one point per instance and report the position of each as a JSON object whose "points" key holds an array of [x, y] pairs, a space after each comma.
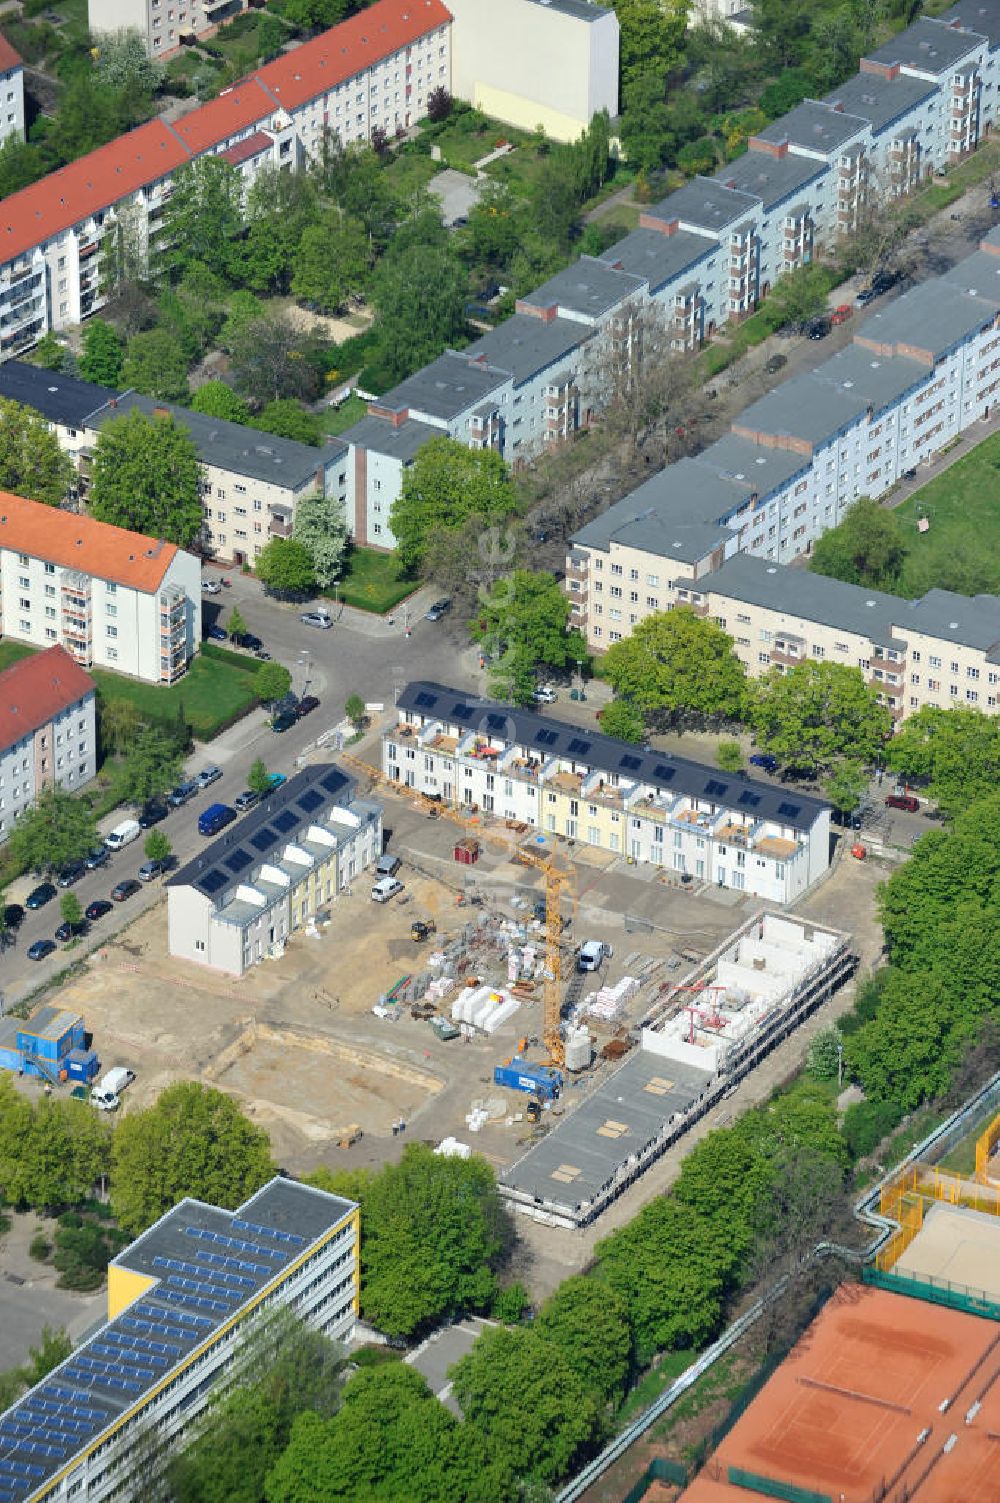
{"points": [[288, 711]]}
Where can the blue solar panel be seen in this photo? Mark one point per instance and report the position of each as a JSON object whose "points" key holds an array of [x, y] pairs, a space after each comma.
{"points": [[195, 1301], [285, 821], [310, 801], [264, 839], [213, 881], [238, 861], [161, 1326], [197, 1271], [332, 781], [219, 1260], [224, 1241], [185, 1319], [291, 1238]]}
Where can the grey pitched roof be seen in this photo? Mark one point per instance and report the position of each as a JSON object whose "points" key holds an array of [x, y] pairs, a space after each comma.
{"points": [[525, 345], [927, 46], [704, 203], [588, 287], [882, 101], [973, 621], [210, 1264], [770, 179], [232, 446], [814, 126], [580, 10], [658, 258], [555, 738], [382, 437], [59, 398], [261, 836], [981, 16], [935, 316], [450, 385]]}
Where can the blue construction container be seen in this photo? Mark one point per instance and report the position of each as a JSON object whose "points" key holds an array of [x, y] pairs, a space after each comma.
{"points": [[538, 1080], [43, 1042], [81, 1064]]}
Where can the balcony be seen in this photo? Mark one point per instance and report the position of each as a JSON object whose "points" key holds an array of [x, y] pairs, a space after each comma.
{"points": [[880, 664], [789, 659], [882, 686]]}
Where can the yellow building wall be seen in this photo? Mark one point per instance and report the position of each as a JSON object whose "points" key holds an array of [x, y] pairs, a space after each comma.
{"points": [[528, 115], [124, 1287]]}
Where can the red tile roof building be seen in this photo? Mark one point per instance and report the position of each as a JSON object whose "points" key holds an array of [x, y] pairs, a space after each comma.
{"points": [[375, 70], [47, 730], [113, 598]]}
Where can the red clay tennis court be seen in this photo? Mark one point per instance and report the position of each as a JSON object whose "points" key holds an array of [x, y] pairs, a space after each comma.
{"points": [[842, 1417]]}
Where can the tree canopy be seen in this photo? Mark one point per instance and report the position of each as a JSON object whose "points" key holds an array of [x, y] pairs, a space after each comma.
{"points": [[103, 353], [284, 567], [677, 661], [31, 462], [193, 1141], [321, 528], [216, 399], [816, 713], [58, 829], [289, 419], [524, 621], [432, 1232], [53, 1151], [147, 477], [446, 485], [153, 763], [419, 294], [867, 548], [157, 365], [956, 751], [203, 217]]}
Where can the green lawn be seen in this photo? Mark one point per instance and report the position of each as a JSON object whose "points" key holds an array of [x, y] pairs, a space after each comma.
{"points": [[410, 171], [963, 508], [213, 692], [372, 581], [213, 695], [336, 419]]}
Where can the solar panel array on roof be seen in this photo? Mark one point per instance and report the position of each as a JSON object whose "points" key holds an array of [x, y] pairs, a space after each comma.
{"points": [[578, 748], [285, 821], [310, 801], [547, 738], [333, 781], [714, 789], [238, 860], [263, 840], [748, 800], [291, 1239], [791, 811], [663, 773], [213, 881], [425, 701], [630, 763], [497, 722]]}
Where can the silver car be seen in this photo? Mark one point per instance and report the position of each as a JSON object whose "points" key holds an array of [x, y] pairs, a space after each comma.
{"points": [[320, 618]]}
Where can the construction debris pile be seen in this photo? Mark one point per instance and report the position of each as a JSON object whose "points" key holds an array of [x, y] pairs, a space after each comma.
{"points": [[610, 1004]]}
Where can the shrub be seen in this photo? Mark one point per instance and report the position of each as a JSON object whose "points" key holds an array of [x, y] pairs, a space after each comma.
{"points": [[867, 1123]]}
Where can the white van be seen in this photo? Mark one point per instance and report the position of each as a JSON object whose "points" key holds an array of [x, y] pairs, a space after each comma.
{"points": [[592, 955], [115, 1081], [123, 834], [386, 889]]}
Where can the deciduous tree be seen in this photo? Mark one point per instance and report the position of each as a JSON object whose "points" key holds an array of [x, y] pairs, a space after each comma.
{"points": [[272, 682], [103, 353], [446, 485], [194, 1141], [419, 296], [57, 830], [867, 548], [332, 261], [31, 462], [957, 752], [153, 764], [157, 846], [817, 713], [216, 399], [289, 419], [147, 477], [258, 778], [70, 910], [285, 568], [321, 528], [203, 217], [589, 1324], [156, 365], [677, 661], [119, 722], [622, 720], [527, 614]]}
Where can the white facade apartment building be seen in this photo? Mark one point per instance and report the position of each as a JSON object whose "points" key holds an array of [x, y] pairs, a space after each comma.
{"points": [[250, 889], [114, 599], [378, 68], [942, 650], [188, 1302], [918, 373], [48, 731], [11, 93], [695, 822], [163, 26]]}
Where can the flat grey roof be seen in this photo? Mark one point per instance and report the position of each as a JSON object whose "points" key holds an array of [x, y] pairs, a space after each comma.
{"points": [[261, 836], [973, 621], [981, 16], [705, 203], [581, 10], [232, 446], [555, 738], [525, 346], [383, 437], [820, 403], [880, 380], [814, 126], [935, 316], [579, 1158], [755, 468], [445, 389], [589, 287], [928, 46], [978, 273], [658, 258], [770, 179], [209, 1265], [59, 398], [882, 101]]}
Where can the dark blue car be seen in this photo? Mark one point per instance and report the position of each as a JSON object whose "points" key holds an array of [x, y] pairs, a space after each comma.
{"points": [[764, 760]]}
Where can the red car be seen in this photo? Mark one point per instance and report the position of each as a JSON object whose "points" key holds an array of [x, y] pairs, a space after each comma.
{"points": [[842, 314], [904, 801]]}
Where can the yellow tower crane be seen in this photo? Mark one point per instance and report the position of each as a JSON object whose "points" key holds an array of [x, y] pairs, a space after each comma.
{"points": [[557, 875]]}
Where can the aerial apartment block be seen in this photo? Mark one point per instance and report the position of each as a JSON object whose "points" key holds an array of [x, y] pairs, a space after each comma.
{"points": [[186, 1301], [238, 902], [251, 481], [112, 598], [11, 92], [917, 374], [48, 730], [697, 823]]}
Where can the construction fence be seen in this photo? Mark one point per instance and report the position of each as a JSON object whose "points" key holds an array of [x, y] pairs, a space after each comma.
{"points": [[935, 1290]]}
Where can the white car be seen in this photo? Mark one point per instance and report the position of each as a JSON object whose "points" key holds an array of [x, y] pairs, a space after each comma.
{"points": [[208, 776], [386, 889], [211, 587], [545, 696], [318, 618]]}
